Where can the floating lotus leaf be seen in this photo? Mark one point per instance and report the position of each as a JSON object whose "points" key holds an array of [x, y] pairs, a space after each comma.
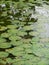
{"points": [[27, 46], [4, 14], [31, 0], [2, 22], [16, 43], [31, 58], [30, 4], [29, 50], [2, 62], [45, 53], [3, 54], [33, 63], [30, 23], [12, 26], [14, 38], [5, 45], [28, 28], [5, 35], [22, 0], [40, 50], [21, 4], [12, 31], [26, 40], [47, 45], [16, 51], [18, 59], [16, 22], [2, 40], [42, 62], [3, 28], [35, 40], [44, 40], [34, 33], [19, 62], [22, 23], [21, 33], [36, 60], [28, 62], [27, 56], [9, 60]]}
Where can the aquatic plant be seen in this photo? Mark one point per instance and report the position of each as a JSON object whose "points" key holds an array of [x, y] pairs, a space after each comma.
{"points": [[21, 38]]}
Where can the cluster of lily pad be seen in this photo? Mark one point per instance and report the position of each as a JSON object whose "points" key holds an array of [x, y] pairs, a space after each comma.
{"points": [[18, 37]]}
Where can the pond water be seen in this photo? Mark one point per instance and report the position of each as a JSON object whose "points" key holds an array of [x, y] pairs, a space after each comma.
{"points": [[42, 25]]}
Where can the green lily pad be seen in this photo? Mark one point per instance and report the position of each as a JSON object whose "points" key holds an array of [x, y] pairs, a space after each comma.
{"points": [[16, 21], [2, 40], [34, 33], [22, 23], [42, 62], [16, 43], [31, 0], [28, 62], [19, 62], [14, 38], [12, 26], [27, 56], [12, 31], [27, 45], [40, 50], [3, 54], [3, 28], [35, 40], [5, 35], [5, 45], [16, 51], [21, 33], [9, 60], [26, 41], [2, 62], [29, 50], [28, 28], [18, 59], [4, 14], [30, 23]]}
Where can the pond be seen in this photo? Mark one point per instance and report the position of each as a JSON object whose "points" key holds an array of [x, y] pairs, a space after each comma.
{"points": [[24, 33]]}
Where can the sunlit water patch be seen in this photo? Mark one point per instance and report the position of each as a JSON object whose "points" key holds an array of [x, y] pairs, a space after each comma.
{"points": [[42, 25]]}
